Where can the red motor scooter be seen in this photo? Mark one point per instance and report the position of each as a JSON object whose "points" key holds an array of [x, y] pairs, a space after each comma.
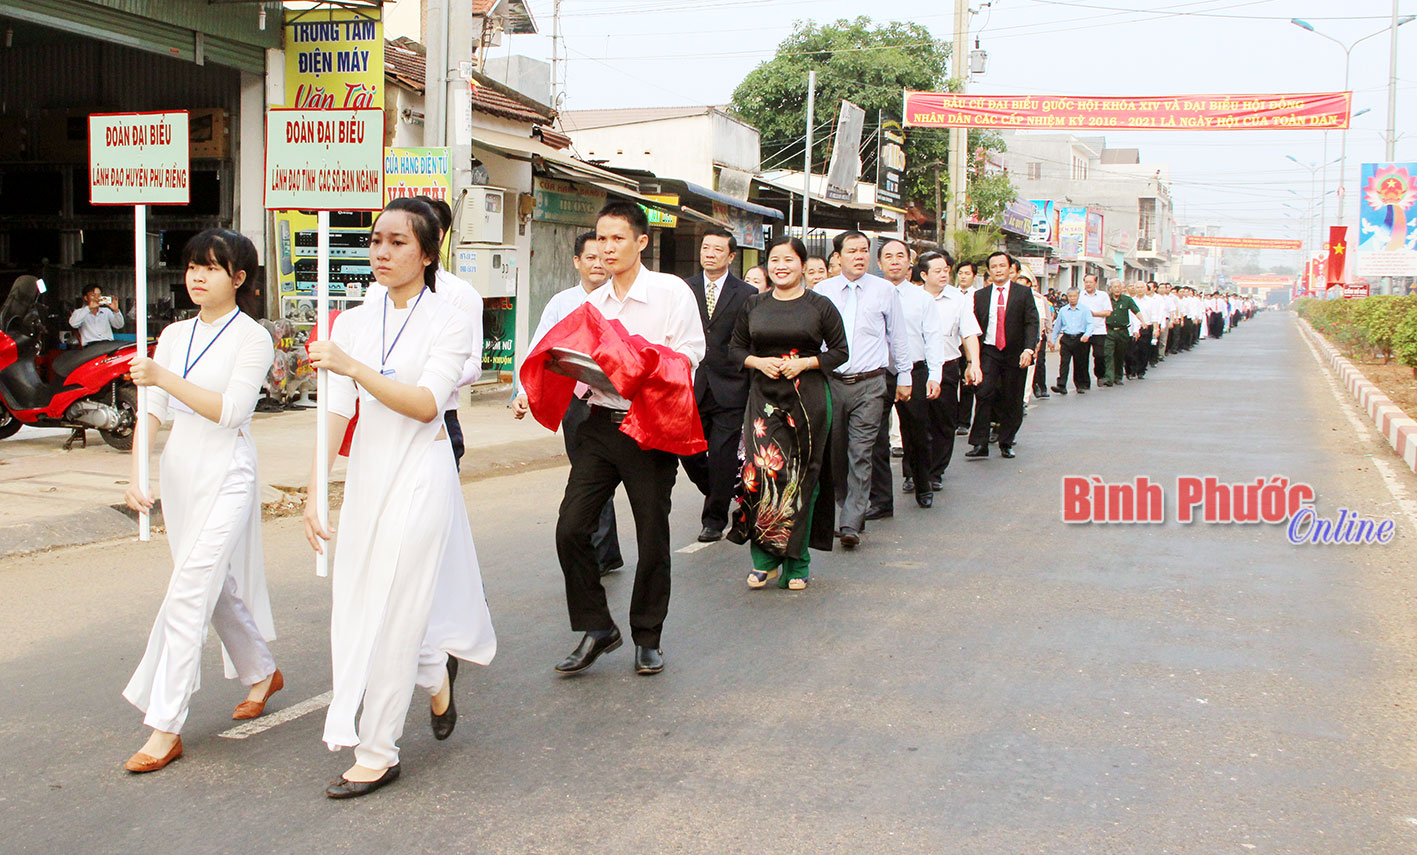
{"points": [[88, 388]]}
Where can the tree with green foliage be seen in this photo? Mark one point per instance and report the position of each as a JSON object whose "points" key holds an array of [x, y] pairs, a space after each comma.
{"points": [[869, 65]]}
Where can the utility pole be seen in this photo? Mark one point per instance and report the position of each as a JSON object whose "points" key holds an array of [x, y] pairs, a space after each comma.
{"points": [[959, 137], [435, 102], [807, 155], [555, 55]]}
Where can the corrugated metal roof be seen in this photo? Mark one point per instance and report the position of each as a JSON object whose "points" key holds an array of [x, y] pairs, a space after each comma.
{"points": [[584, 120], [238, 22]]}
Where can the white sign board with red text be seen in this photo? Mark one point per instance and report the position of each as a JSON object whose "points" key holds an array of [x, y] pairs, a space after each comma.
{"points": [[139, 159], [325, 160]]}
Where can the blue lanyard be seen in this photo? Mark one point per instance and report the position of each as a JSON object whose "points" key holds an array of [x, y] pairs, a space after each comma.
{"points": [[189, 365], [383, 328]]}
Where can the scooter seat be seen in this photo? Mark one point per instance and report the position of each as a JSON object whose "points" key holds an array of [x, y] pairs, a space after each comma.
{"points": [[69, 361]]}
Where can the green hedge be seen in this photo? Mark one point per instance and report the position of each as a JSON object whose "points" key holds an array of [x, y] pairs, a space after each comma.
{"points": [[1368, 327]]}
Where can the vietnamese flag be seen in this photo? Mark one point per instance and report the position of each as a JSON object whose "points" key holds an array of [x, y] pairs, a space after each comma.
{"points": [[1337, 254]]}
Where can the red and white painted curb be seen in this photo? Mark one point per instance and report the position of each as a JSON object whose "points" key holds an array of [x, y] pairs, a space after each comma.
{"points": [[1391, 421]]}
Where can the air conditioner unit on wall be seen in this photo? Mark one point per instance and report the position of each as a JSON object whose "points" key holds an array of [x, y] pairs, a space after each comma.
{"points": [[480, 215]]}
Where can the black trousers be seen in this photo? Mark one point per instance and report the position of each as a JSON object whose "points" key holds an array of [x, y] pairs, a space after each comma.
{"points": [[882, 480], [1138, 352], [602, 459], [450, 421], [715, 471], [964, 411], [915, 435], [1000, 397], [1040, 366], [1073, 350], [1098, 343], [940, 425], [606, 538]]}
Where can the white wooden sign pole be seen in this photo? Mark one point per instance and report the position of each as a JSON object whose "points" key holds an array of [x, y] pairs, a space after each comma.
{"points": [[140, 327], [140, 159], [322, 411], [322, 161]]}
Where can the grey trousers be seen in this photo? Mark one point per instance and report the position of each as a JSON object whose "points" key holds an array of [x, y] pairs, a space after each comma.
{"points": [[856, 420]]}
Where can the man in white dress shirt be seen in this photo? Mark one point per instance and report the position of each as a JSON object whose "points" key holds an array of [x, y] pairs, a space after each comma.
{"points": [[1096, 301], [662, 309], [925, 350], [922, 335], [586, 261], [96, 319], [875, 334], [960, 332]]}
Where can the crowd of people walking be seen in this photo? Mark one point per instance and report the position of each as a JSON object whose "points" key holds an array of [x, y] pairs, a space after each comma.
{"points": [[775, 397]]}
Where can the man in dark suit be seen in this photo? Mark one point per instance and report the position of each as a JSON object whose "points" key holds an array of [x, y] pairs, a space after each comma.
{"points": [[720, 384], [1009, 318]]}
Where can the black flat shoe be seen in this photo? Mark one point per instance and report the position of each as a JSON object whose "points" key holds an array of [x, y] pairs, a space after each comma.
{"points": [[612, 567], [963, 430], [347, 789], [907, 485], [879, 513], [849, 538], [977, 452], [1007, 451], [443, 724], [589, 650], [648, 660], [924, 500], [710, 535], [1061, 390]]}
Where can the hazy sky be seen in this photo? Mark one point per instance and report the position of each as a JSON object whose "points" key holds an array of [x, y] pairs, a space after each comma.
{"points": [[677, 52]]}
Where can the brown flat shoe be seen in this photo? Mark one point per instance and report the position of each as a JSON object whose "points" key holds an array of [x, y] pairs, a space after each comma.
{"points": [[254, 709], [141, 762]]}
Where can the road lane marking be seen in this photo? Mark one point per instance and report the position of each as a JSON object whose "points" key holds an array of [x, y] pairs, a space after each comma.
{"points": [[693, 547], [266, 722], [1365, 431]]}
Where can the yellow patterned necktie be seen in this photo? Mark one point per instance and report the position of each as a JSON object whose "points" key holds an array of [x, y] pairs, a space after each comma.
{"points": [[711, 297]]}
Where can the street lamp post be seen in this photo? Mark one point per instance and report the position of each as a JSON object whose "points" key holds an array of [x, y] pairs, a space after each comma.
{"points": [[1347, 67], [1314, 199]]}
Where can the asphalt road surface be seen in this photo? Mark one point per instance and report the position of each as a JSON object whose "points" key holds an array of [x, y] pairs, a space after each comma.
{"points": [[976, 678]]}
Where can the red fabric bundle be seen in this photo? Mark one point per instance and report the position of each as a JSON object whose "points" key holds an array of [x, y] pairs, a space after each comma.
{"points": [[353, 422], [656, 380]]}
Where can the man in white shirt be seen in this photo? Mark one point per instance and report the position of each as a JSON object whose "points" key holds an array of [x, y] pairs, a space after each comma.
{"points": [[96, 319], [960, 333], [925, 350], [586, 261], [1096, 301], [662, 309], [870, 311], [966, 282]]}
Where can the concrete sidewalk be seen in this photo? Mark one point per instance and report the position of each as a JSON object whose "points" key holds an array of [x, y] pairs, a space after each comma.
{"points": [[53, 498]]}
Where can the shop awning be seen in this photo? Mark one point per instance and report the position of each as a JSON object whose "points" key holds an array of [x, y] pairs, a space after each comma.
{"points": [[689, 188], [559, 164], [824, 214]]}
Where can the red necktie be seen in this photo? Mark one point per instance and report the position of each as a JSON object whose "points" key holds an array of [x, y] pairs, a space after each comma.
{"points": [[999, 338]]}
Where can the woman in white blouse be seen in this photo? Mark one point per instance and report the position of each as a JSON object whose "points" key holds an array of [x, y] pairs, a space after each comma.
{"points": [[206, 377], [407, 593]]}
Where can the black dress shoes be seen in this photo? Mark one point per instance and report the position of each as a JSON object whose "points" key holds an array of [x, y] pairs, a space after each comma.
{"points": [[962, 430], [648, 660], [977, 452], [1041, 392], [1007, 451], [443, 724], [924, 500], [1061, 390], [589, 650], [879, 513], [907, 485], [347, 789], [849, 538], [710, 535]]}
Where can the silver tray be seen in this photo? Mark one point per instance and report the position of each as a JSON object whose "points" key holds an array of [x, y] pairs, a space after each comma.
{"points": [[578, 366]]}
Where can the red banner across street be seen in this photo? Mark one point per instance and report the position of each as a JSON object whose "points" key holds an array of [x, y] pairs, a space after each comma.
{"points": [[1244, 243], [1302, 111]]}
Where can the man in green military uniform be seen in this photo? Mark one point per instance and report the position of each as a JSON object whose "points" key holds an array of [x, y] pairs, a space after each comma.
{"points": [[1119, 331]]}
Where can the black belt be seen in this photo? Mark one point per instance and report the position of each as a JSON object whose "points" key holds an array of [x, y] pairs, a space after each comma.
{"points": [[615, 416], [850, 379]]}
